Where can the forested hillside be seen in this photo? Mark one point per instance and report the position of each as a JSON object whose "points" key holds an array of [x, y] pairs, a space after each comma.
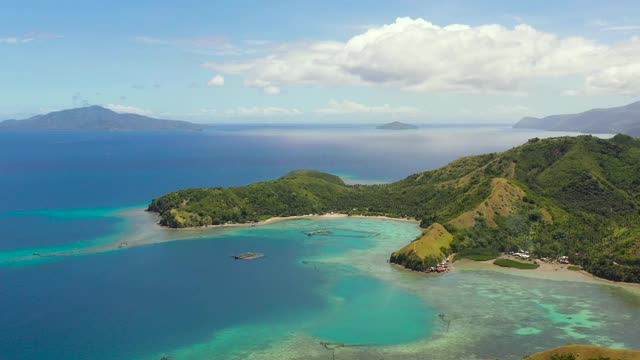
{"points": [[575, 196]]}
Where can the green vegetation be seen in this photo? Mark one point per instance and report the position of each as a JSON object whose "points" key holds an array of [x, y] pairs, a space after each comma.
{"points": [[426, 250], [515, 264], [574, 267], [575, 196], [478, 254]]}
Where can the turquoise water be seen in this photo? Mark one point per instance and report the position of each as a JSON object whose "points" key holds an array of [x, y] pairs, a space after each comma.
{"points": [[369, 312], [324, 298], [113, 285], [187, 298]]}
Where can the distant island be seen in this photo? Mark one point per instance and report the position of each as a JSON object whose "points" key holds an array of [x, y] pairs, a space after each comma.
{"points": [[575, 198], [623, 119], [396, 125], [95, 118]]}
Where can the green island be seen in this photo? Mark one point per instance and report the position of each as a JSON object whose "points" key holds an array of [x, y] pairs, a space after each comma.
{"points": [[573, 196], [515, 264]]}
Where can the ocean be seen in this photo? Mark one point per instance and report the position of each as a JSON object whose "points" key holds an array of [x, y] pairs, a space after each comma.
{"points": [[321, 297]]}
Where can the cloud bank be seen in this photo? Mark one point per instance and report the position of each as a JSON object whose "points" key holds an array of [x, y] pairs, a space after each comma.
{"points": [[416, 55]]}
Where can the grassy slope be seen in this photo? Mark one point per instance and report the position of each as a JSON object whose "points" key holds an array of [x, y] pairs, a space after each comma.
{"points": [[554, 197], [586, 352], [426, 250]]}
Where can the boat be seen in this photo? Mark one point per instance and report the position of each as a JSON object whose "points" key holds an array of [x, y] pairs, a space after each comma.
{"points": [[247, 256]]}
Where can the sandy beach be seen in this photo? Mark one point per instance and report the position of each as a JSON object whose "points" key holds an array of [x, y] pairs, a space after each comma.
{"points": [[284, 218], [548, 271]]}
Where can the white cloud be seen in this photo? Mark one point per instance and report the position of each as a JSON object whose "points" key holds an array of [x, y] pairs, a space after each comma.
{"points": [[15, 40], [623, 79], [335, 107], [264, 111], [128, 109], [28, 38], [271, 90], [216, 81], [416, 55]]}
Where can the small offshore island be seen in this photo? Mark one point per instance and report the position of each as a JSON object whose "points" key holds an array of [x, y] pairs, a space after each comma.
{"points": [[396, 125], [569, 196]]}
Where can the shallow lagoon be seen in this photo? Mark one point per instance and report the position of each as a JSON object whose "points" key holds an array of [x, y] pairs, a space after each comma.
{"points": [[188, 299]]}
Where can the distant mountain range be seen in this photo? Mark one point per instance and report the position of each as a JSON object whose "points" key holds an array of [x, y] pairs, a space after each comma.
{"points": [[95, 118], [623, 119], [397, 125]]}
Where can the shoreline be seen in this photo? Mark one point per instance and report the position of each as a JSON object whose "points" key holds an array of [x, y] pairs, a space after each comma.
{"points": [[161, 234], [546, 271], [276, 219]]}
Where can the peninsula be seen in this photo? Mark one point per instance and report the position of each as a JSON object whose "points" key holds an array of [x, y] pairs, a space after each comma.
{"points": [[95, 118], [623, 119], [568, 196]]}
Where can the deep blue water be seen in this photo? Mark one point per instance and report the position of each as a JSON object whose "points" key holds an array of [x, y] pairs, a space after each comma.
{"points": [[39, 230], [41, 170], [136, 302], [130, 303]]}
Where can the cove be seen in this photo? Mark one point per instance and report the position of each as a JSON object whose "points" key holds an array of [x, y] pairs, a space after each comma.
{"points": [[169, 297]]}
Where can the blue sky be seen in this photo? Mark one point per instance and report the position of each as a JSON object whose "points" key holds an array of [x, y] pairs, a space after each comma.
{"points": [[329, 61]]}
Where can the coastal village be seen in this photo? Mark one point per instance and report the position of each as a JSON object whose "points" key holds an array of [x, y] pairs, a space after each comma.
{"points": [[445, 264], [525, 255]]}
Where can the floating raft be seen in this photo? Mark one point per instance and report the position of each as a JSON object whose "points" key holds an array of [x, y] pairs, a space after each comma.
{"points": [[247, 256]]}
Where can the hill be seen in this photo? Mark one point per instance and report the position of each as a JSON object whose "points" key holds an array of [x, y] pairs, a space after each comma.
{"points": [[584, 352], [575, 196], [396, 125], [623, 119], [95, 118]]}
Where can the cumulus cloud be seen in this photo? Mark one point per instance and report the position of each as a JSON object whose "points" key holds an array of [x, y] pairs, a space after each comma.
{"points": [[416, 55], [335, 107], [623, 79], [216, 81], [128, 109]]}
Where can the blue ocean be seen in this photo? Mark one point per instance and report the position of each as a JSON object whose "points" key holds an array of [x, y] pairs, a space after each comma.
{"points": [[181, 295]]}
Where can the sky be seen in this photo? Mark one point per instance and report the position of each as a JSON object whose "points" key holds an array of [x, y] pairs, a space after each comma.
{"points": [[319, 61]]}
